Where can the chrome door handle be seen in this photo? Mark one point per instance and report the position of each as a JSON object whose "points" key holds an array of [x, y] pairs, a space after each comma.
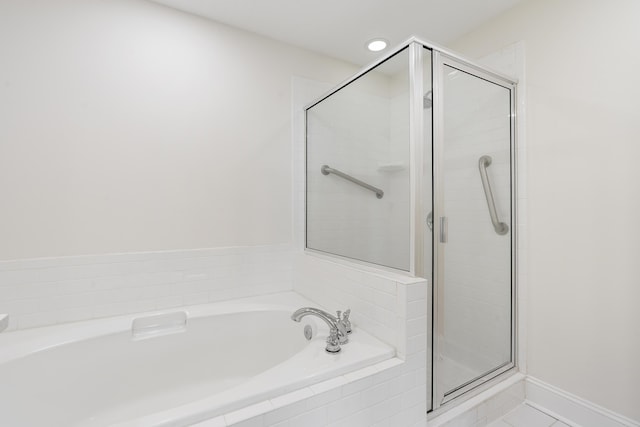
{"points": [[444, 229]]}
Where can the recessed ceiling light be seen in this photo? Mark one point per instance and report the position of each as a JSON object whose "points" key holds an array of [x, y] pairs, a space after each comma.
{"points": [[376, 45]]}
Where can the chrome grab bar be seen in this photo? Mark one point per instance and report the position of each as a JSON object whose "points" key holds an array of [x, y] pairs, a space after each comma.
{"points": [[500, 227], [326, 170]]}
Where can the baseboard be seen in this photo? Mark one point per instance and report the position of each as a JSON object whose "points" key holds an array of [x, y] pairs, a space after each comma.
{"points": [[570, 409]]}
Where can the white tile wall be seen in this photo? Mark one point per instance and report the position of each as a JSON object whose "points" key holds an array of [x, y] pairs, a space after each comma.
{"points": [[47, 291], [390, 308]]}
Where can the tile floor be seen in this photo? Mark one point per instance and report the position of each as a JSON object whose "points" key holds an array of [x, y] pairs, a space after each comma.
{"points": [[526, 416]]}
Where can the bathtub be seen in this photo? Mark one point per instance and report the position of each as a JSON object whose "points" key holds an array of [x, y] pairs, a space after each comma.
{"points": [[171, 368]]}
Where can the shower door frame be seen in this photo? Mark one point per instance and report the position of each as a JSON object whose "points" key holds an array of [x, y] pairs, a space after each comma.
{"points": [[440, 397]]}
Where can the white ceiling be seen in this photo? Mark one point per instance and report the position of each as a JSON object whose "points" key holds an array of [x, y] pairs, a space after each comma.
{"points": [[340, 28]]}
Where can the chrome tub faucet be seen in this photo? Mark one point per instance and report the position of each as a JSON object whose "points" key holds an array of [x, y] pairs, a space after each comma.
{"points": [[339, 326]]}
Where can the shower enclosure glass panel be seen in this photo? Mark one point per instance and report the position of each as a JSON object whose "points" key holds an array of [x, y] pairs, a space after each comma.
{"points": [[358, 192], [474, 280]]}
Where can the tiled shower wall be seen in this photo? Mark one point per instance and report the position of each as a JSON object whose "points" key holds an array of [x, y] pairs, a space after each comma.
{"points": [[47, 291], [350, 134], [478, 260], [356, 130]]}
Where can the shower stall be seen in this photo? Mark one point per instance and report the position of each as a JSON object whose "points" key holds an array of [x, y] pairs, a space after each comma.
{"points": [[410, 166]]}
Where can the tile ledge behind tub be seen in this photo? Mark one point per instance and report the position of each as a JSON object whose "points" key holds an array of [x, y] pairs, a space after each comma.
{"points": [[365, 268], [48, 291]]}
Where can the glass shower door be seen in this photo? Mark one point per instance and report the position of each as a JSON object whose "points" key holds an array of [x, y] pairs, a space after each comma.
{"points": [[472, 231]]}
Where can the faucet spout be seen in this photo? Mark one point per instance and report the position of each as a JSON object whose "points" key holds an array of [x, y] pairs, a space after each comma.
{"points": [[329, 319]]}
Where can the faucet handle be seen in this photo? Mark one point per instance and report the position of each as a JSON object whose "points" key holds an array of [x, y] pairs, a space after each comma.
{"points": [[341, 328], [333, 342], [346, 322]]}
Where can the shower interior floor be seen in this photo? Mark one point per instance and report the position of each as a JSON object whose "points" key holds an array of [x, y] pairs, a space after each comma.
{"points": [[454, 373]]}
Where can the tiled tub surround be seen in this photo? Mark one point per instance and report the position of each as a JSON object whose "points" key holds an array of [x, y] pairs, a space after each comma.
{"points": [[391, 307], [48, 291], [392, 393], [381, 395], [209, 361]]}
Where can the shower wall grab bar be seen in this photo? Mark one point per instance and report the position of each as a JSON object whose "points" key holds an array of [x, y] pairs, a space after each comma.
{"points": [[500, 227], [326, 170]]}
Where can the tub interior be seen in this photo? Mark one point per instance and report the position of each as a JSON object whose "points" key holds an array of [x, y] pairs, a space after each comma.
{"points": [[111, 378]]}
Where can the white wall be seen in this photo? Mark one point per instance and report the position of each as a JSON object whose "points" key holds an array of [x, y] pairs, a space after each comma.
{"points": [[127, 126], [583, 123]]}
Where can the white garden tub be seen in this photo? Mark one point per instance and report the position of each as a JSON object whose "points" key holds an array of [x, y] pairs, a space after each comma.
{"points": [[226, 356]]}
